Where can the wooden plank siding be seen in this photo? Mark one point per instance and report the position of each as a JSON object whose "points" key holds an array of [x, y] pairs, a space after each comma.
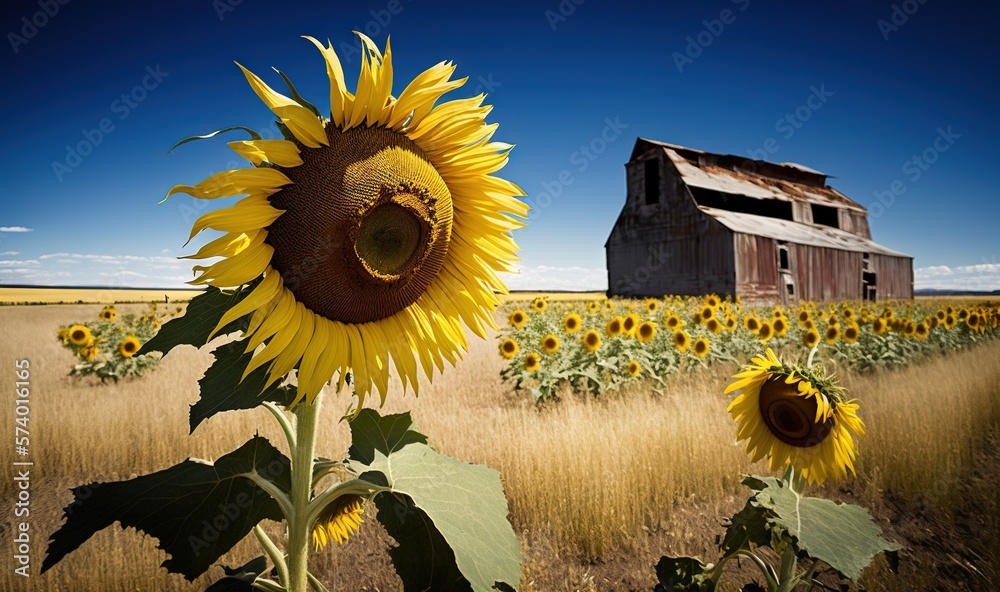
{"points": [[894, 276]]}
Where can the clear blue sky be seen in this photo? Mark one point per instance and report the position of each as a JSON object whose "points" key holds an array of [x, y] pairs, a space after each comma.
{"points": [[559, 75]]}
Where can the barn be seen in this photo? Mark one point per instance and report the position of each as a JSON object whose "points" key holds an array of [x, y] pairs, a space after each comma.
{"points": [[698, 223]]}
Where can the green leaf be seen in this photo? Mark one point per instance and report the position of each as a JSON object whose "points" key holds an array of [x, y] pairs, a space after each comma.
{"points": [[221, 389], [197, 510], [295, 94], [253, 135], [841, 535], [448, 517], [749, 527], [202, 315], [241, 578], [681, 574]]}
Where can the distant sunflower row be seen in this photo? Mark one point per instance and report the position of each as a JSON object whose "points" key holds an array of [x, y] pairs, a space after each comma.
{"points": [[601, 345], [106, 347]]}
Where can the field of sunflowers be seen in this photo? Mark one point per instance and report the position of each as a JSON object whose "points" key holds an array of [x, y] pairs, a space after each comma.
{"points": [[601, 345]]}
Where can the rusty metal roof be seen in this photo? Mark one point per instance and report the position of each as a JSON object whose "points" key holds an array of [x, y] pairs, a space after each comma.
{"points": [[797, 232], [738, 182]]}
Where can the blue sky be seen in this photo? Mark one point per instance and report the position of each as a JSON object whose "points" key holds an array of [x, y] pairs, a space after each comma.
{"points": [[97, 94]]}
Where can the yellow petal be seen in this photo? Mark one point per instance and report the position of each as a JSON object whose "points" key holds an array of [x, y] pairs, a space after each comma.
{"points": [[280, 152], [303, 123]]}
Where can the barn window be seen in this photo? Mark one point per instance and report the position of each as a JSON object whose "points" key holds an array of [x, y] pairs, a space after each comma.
{"points": [[783, 256], [772, 208], [825, 215], [652, 182]]}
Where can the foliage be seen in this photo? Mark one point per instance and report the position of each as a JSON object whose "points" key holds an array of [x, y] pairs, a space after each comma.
{"points": [[108, 347], [690, 334]]}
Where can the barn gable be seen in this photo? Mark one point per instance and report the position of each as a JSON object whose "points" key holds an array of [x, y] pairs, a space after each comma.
{"points": [[696, 222]]}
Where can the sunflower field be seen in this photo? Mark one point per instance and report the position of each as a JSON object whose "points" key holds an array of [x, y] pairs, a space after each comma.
{"points": [[598, 346], [107, 346]]}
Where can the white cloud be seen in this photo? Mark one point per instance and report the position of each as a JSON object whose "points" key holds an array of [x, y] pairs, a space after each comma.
{"points": [[123, 273], [73, 261], [165, 251], [978, 277], [15, 229], [12, 263], [122, 259], [9, 253], [547, 277]]}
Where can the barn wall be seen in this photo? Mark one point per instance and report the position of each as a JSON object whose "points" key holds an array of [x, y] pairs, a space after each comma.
{"points": [[756, 269], [670, 247], [827, 274], [894, 276]]}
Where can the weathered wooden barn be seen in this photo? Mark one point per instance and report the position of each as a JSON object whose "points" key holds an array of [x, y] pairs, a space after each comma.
{"points": [[696, 223]]}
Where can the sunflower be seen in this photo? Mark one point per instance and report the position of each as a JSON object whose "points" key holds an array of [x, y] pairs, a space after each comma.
{"points": [[532, 362], [810, 338], [508, 348], [713, 325], [795, 416], [646, 331], [941, 314], [751, 323], [550, 344], [630, 323], [730, 322], [712, 300], [63, 335], [371, 236], [765, 331], [949, 321], [88, 353], [973, 321], [108, 314], [80, 335], [592, 340], [614, 327], [707, 312], [129, 346], [338, 521], [539, 304], [572, 323], [780, 326], [851, 332], [878, 326], [634, 368], [652, 305], [518, 318], [804, 316], [832, 334], [673, 321], [921, 331], [701, 347], [681, 341], [593, 306]]}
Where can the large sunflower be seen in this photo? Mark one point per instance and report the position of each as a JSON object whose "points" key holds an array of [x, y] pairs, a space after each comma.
{"points": [[795, 415], [374, 234]]}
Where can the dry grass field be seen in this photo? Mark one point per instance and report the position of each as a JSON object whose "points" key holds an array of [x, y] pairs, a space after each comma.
{"points": [[598, 490]]}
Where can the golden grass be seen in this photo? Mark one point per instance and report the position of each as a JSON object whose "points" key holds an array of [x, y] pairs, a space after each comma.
{"points": [[88, 295], [584, 478]]}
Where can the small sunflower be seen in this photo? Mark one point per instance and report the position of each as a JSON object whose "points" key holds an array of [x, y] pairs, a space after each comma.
{"points": [[614, 327], [88, 353], [338, 521], [921, 331], [878, 326], [80, 335], [973, 321], [797, 416], [803, 317], [851, 333], [681, 341], [673, 321], [634, 368], [593, 306], [810, 338], [730, 322], [646, 331], [949, 321], [63, 335], [765, 331], [701, 347], [508, 348], [707, 312], [712, 300], [517, 319], [652, 305], [108, 314], [832, 334], [751, 323], [592, 340], [532, 362], [550, 344], [374, 236], [572, 323], [129, 346], [780, 326], [713, 325], [539, 304], [629, 324]]}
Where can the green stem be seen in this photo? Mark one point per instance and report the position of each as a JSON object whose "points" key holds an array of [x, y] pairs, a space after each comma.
{"points": [[299, 525], [812, 354], [786, 578], [272, 551], [286, 427], [810, 575], [769, 575]]}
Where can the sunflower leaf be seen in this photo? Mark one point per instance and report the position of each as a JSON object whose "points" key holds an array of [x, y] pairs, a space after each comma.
{"points": [[222, 389], [295, 94], [841, 535], [240, 579], [253, 135], [198, 510], [448, 517], [748, 528], [202, 315], [681, 574]]}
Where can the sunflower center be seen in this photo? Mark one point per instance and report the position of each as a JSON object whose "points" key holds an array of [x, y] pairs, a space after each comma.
{"points": [[366, 225], [791, 417]]}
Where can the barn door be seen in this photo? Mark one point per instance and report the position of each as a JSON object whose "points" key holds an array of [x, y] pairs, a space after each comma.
{"points": [[868, 278]]}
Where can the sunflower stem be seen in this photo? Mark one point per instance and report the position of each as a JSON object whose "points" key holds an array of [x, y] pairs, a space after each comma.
{"points": [[272, 551], [299, 524], [286, 426], [812, 354], [786, 578]]}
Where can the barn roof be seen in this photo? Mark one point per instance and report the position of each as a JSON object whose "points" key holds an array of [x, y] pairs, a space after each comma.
{"points": [[738, 175], [796, 232]]}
